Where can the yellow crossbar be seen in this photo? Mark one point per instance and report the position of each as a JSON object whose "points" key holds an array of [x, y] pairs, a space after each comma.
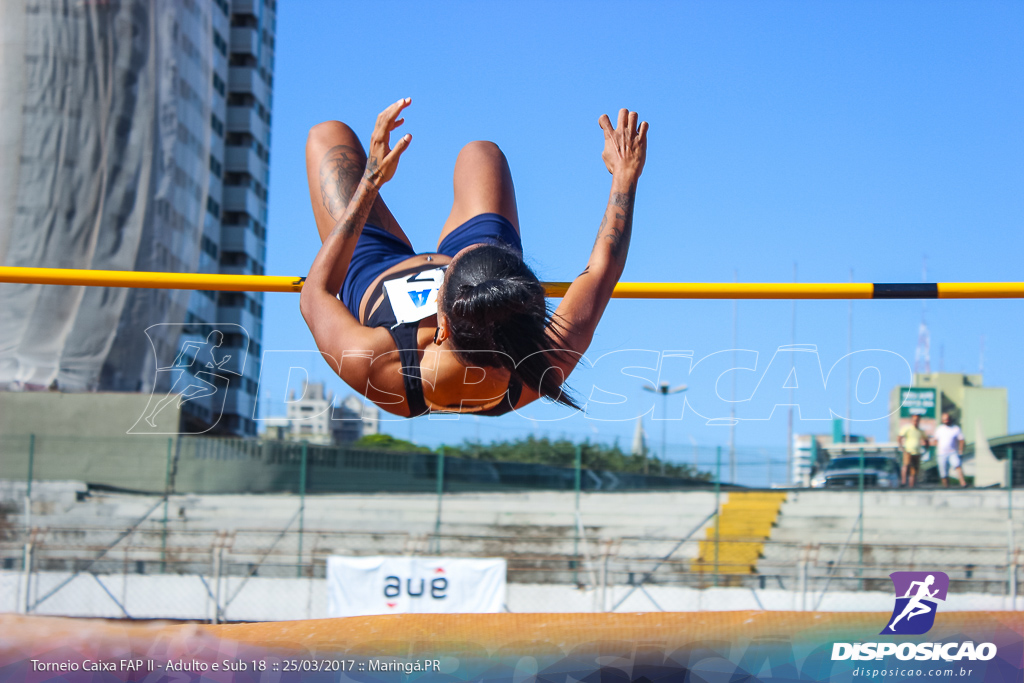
{"points": [[623, 290], [131, 278]]}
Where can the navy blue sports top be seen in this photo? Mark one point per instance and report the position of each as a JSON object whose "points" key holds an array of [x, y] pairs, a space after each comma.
{"points": [[382, 250]]}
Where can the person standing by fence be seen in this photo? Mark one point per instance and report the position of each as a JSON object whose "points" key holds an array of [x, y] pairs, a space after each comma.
{"points": [[949, 446], [912, 442]]}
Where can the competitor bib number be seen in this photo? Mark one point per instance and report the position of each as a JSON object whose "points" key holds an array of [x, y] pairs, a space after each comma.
{"points": [[414, 297]]}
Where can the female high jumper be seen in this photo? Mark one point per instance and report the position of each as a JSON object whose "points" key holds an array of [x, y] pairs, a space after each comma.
{"points": [[465, 328]]}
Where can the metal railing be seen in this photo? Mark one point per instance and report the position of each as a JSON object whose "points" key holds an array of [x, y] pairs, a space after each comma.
{"points": [[209, 465], [592, 561]]}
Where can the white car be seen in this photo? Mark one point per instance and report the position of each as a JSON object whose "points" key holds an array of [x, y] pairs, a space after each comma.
{"points": [[844, 472]]}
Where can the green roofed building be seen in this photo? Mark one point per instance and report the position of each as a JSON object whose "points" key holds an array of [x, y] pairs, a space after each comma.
{"points": [[971, 405]]}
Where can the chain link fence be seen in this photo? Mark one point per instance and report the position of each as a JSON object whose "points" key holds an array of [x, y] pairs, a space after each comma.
{"points": [[201, 545], [195, 464], [155, 569]]}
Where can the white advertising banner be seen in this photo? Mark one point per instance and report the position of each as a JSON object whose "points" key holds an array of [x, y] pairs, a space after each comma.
{"points": [[360, 586]]}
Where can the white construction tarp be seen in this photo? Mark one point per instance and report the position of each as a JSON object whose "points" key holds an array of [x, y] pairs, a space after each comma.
{"points": [[105, 160], [360, 586]]}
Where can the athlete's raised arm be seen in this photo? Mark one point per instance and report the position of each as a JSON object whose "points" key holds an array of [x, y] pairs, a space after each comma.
{"points": [[334, 328], [625, 151]]}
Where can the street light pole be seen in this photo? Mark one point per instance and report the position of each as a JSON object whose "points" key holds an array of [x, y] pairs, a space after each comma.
{"points": [[664, 429], [664, 390]]}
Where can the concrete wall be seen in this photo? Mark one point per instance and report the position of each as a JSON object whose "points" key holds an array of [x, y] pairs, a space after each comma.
{"points": [[83, 437], [100, 414]]}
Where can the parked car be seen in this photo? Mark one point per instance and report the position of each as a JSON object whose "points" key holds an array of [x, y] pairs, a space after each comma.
{"points": [[844, 472]]}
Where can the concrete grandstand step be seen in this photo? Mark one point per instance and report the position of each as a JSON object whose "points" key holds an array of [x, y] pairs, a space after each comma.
{"points": [[662, 514], [669, 515], [902, 531], [963, 532], [992, 499]]}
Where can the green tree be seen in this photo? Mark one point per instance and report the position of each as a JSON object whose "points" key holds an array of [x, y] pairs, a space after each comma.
{"points": [[562, 453], [390, 443]]}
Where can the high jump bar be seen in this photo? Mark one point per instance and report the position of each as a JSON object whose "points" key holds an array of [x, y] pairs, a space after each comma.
{"points": [[623, 290]]}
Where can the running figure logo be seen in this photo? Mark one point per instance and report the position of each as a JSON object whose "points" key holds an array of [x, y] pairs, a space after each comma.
{"points": [[916, 593], [189, 383], [198, 378]]}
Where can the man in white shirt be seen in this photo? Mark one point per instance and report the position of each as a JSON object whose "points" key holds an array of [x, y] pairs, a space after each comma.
{"points": [[949, 446]]}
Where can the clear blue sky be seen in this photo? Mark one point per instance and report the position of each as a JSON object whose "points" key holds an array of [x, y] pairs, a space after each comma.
{"points": [[834, 136]]}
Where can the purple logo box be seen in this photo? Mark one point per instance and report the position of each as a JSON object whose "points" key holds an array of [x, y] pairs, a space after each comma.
{"points": [[916, 596]]}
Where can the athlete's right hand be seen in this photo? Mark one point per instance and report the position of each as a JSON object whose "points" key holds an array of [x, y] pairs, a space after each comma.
{"points": [[382, 161], [625, 147]]}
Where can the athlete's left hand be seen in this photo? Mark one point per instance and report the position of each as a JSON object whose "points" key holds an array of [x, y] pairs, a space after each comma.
{"points": [[382, 161], [625, 146]]}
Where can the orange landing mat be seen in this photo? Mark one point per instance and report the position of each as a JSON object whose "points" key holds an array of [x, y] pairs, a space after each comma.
{"points": [[479, 633]]}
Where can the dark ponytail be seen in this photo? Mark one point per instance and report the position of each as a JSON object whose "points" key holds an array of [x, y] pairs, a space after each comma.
{"points": [[498, 317]]}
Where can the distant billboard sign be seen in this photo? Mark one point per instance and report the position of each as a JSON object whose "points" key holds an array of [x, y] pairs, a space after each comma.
{"points": [[359, 586], [917, 401]]}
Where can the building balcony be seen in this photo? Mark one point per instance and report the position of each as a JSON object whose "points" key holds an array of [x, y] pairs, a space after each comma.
{"points": [[240, 198], [234, 366], [246, 6], [241, 238], [201, 306], [246, 120], [237, 270], [245, 40], [239, 402], [239, 316], [245, 79], [245, 159]]}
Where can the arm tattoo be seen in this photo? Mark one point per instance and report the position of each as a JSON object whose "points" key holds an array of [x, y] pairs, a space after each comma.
{"points": [[600, 228], [356, 217], [340, 171], [617, 235], [372, 165]]}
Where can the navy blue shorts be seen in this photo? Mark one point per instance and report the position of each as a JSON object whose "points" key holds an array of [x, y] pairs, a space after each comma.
{"points": [[377, 250]]}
